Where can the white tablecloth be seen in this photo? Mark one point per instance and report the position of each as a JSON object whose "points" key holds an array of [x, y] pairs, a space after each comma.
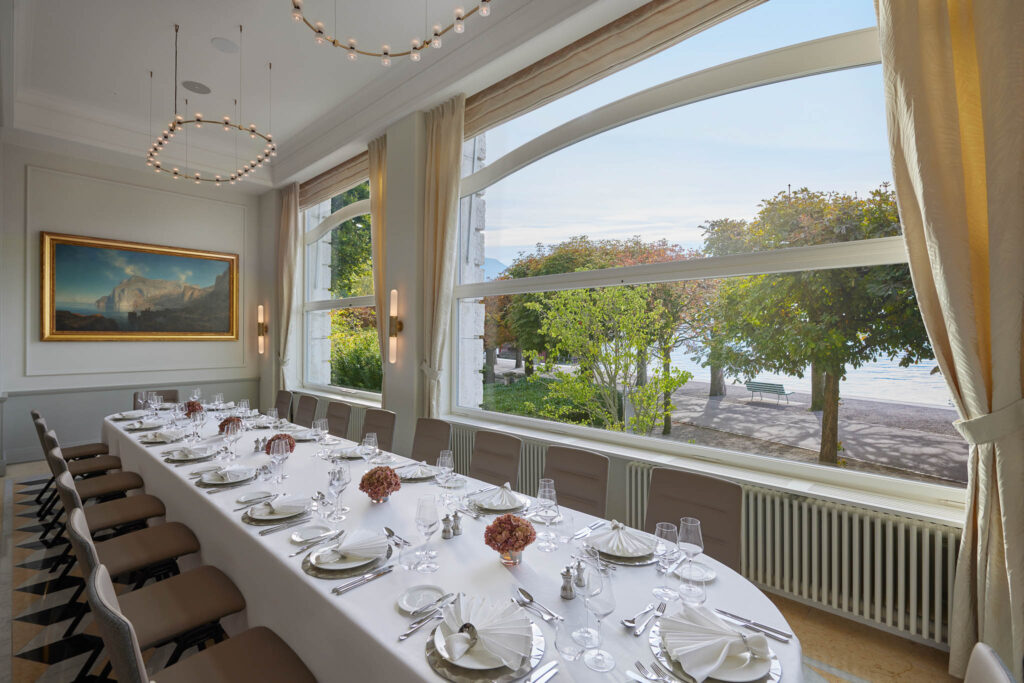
{"points": [[354, 636]]}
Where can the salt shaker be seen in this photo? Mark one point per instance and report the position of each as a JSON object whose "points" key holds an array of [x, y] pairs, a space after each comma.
{"points": [[446, 531], [456, 524], [568, 590], [580, 580]]}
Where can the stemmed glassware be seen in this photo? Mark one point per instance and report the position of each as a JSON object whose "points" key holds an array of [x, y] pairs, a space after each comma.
{"points": [[196, 394], [599, 597], [243, 408], [547, 514], [667, 551], [232, 433], [339, 478], [279, 452], [691, 543], [271, 414], [427, 522], [218, 401], [320, 432], [369, 447], [443, 477], [196, 420]]}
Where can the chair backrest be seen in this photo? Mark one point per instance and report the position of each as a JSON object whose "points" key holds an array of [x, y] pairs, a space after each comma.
{"points": [[338, 416], [284, 405], [432, 436], [495, 458], [51, 451], [81, 542], [69, 497], [40, 425], [985, 666], [119, 639], [717, 503], [306, 411], [382, 423], [581, 478], [139, 397]]}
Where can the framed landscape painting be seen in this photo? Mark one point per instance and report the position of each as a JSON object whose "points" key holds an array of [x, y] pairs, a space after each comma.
{"points": [[107, 290]]}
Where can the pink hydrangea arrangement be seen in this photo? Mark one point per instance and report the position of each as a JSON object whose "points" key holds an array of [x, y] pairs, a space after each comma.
{"points": [[287, 438], [380, 482], [193, 407], [223, 426], [509, 534]]}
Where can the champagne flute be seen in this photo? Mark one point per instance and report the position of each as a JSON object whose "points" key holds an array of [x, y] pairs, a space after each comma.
{"points": [[691, 543], [666, 550], [339, 478], [599, 597], [427, 522]]}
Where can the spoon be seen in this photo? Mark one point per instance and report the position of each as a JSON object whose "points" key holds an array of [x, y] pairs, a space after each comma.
{"points": [[631, 623], [529, 599], [392, 536]]}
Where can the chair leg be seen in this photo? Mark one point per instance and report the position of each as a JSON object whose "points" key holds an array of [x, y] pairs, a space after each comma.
{"points": [[49, 526], [83, 673]]}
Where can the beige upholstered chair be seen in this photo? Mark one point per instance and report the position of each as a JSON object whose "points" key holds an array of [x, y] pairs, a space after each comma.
{"points": [[717, 503], [284, 405], [338, 416], [382, 423], [254, 655], [306, 411], [985, 666], [170, 396], [432, 436], [103, 486], [84, 452], [495, 458], [581, 478]]}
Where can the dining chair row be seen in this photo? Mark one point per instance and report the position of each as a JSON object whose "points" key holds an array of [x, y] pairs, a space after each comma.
{"points": [[375, 421]]}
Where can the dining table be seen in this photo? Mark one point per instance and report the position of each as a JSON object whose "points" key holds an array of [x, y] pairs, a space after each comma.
{"points": [[354, 636]]}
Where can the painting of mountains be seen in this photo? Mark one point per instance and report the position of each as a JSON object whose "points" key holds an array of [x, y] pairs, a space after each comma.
{"points": [[98, 289]]}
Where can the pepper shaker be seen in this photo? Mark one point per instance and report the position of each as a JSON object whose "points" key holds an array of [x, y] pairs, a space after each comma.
{"points": [[446, 532], [580, 581], [568, 590], [456, 524]]}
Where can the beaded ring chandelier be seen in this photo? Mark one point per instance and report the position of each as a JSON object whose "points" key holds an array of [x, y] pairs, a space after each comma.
{"points": [[386, 53], [179, 123]]}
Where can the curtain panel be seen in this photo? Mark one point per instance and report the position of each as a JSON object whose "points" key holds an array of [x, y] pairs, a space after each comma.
{"points": [[289, 246], [443, 170], [645, 31], [334, 181], [954, 79], [378, 232]]}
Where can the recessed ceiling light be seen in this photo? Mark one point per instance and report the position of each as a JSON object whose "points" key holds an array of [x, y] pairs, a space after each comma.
{"points": [[224, 45], [196, 87]]}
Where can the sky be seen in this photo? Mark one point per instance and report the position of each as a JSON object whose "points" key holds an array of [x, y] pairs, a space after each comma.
{"points": [[662, 176], [84, 274]]}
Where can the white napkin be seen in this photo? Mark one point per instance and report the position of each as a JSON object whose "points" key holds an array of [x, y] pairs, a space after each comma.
{"points": [[226, 475], [360, 544], [195, 453], [148, 424], [286, 506], [417, 470], [167, 435], [622, 541], [131, 414], [303, 435], [502, 498], [700, 641], [502, 629], [350, 452]]}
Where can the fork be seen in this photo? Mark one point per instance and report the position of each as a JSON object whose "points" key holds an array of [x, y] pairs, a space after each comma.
{"points": [[647, 673], [665, 673]]}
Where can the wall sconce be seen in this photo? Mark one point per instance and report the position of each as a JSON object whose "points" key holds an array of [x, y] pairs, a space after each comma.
{"points": [[394, 327], [261, 331]]}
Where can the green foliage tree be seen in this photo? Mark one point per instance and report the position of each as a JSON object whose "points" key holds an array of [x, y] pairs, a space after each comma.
{"points": [[829, 319], [355, 352], [351, 254]]}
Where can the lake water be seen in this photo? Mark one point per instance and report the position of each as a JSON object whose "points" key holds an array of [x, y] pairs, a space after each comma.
{"points": [[90, 309], [882, 380]]}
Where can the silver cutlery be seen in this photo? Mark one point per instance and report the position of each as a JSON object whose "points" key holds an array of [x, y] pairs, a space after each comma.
{"points": [[482, 490], [228, 487], [435, 605], [342, 586], [784, 634], [253, 503], [392, 536], [769, 634], [416, 626], [285, 525], [322, 538], [361, 582], [639, 630], [666, 674], [529, 599], [469, 513], [631, 622], [544, 673], [585, 531], [651, 675]]}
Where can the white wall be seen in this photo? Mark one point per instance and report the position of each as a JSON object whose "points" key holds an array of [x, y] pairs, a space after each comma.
{"points": [[75, 383]]}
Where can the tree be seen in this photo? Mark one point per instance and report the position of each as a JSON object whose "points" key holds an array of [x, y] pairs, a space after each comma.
{"points": [[828, 319], [351, 251], [722, 237]]}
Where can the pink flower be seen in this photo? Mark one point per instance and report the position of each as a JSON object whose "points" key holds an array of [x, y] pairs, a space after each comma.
{"points": [[380, 482], [509, 533]]}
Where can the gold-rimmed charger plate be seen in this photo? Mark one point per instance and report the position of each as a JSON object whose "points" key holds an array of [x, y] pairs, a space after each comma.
{"points": [[502, 674], [318, 573]]}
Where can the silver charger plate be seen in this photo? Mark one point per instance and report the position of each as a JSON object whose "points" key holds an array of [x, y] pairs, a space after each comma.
{"points": [[271, 522], [190, 461], [642, 561], [318, 573], [502, 674], [654, 640]]}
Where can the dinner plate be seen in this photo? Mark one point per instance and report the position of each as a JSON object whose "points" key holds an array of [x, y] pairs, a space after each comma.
{"points": [[418, 596], [152, 440], [230, 477], [321, 560], [475, 500], [349, 453], [205, 468], [200, 453], [423, 478], [304, 435], [502, 674], [735, 668], [476, 658], [308, 533], [261, 512], [251, 496]]}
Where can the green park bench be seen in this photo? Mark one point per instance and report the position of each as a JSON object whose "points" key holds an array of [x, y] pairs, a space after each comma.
{"points": [[763, 388]]}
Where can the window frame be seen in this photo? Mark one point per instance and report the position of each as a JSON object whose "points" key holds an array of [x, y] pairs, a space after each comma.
{"points": [[820, 56], [311, 236]]}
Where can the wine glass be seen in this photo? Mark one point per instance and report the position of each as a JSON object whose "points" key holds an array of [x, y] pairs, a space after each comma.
{"points": [[232, 433], [218, 400], [158, 400], [599, 597], [446, 466], [339, 478], [427, 521], [691, 543], [271, 414], [196, 420], [369, 447], [547, 515], [667, 551], [590, 576], [279, 452], [196, 394], [565, 643], [320, 432]]}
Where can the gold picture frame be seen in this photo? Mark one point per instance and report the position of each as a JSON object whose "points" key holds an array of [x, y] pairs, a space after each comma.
{"points": [[138, 308]]}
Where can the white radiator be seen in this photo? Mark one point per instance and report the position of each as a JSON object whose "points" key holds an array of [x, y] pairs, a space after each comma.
{"points": [[355, 421]]}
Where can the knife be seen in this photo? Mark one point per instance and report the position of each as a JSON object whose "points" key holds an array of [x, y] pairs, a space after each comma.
{"points": [[544, 673], [585, 531], [325, 538], [379, 573], [749, 625], [784, 634], [436, 604], [286, 525], [469, 513], [254, 503]]}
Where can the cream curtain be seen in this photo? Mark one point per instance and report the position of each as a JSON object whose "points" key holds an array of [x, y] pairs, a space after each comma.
{"points": [[378, 232], [444, 126], [333, 181], [289, 248], [954, 78]]}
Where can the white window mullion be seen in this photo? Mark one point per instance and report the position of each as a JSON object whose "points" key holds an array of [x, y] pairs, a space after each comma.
{"points": [[330, 304]]}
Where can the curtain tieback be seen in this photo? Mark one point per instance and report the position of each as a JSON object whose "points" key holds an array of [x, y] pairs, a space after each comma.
{"points": [[432, 374], [994, 426]]}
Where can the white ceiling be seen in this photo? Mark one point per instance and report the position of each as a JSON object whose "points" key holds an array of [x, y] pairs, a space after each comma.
{"points": [[81, 70]]}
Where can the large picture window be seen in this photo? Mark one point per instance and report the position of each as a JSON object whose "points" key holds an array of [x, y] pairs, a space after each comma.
{"points": [[340, 320], [713, 263]]}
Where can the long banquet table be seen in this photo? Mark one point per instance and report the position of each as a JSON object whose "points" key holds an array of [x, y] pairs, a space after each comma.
{"points": [[354, 636]]}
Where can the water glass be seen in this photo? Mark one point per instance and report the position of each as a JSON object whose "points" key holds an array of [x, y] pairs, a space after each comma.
{"points": [[369, 447], [667, 551], [427, 522], [320, 432], [691, 543], [446, 466], [599, 597], [196, 420], [338, 480], [566, 645], [218, 400], [565, 528], [271, 414]]}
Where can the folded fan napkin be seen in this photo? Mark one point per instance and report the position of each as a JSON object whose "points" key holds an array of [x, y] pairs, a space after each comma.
{"points": [[148, 424], [197, 452], [360, 544], [502, 498], [287, 506], [167, 435], [621, 540], [226, 475], [700, 641], [131, 414], [418, 470], [347, 452], [502, 629]]}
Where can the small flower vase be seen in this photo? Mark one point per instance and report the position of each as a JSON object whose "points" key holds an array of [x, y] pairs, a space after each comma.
{"points": [[378, 501], [511, 558]]}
